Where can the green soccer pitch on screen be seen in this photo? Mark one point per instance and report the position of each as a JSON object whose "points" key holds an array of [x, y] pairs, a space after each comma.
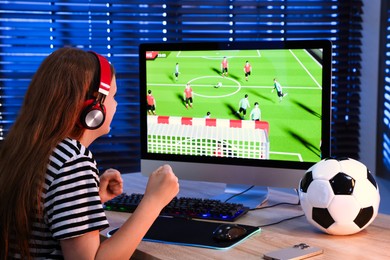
{"points": [[237, 104]]}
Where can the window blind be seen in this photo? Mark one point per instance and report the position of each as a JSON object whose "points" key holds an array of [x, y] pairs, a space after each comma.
{"points": [[383, 125], [29, 31]]}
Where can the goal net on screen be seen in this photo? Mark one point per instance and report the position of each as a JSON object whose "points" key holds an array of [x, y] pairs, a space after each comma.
{"points": [[208, 137]]}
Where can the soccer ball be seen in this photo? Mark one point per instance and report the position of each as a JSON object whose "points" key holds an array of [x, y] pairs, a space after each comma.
{"points": [[339, 196]]}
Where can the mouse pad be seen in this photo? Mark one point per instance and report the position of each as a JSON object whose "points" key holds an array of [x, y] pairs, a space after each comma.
{"points": [[191, 233]]}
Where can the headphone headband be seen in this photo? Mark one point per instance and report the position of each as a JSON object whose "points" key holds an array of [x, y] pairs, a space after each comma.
{"points": [[105, 74], [94, 113]]}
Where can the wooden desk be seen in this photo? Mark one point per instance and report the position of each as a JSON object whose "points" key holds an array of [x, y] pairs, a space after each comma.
{"points": [[371, 243]]}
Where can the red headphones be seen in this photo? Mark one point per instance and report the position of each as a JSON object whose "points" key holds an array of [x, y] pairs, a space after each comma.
{"points": [[94, 112]]}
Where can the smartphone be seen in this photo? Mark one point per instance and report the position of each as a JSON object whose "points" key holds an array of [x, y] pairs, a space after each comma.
{"points": [[299, 251]]}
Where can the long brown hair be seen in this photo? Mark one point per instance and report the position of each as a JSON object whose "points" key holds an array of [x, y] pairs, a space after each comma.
{"points": [[49, 114]]}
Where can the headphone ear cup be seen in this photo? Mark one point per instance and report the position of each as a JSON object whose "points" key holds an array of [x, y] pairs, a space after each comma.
{"points": [[93, 114]]}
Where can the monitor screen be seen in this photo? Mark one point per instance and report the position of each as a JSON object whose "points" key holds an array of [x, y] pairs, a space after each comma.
{"points": [[255, 113]]}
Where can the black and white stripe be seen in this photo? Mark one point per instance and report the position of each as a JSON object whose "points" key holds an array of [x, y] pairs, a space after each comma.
{"points": [[71, 201]]}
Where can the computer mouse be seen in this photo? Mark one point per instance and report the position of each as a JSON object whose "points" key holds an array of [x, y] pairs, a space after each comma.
{"points": [[228, 232]]}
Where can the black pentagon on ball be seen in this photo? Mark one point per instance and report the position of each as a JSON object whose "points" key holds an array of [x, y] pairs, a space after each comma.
{"points": [[364, 216], [371, 179], [342, 184], [340, 158], [322, 217], [305, 181]]}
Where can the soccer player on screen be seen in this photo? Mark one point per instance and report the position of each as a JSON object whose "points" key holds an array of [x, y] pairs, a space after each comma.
{"points": [[247, 70], [255, 114], [224, 66], [177, 71], [243, 106], [188, 96], [279, 90], [218, 152], [150, 103]]}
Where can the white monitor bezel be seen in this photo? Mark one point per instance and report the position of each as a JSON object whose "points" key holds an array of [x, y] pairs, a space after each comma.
{"points": [[273, 173]]}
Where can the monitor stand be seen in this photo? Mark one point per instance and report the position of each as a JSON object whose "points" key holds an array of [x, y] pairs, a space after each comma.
{"points": [[252, 198]]}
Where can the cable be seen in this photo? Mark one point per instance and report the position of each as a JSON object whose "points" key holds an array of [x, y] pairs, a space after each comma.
{"points": [[238, 194], [281, 203], [270, 206], [280, 221], [277, 204]]}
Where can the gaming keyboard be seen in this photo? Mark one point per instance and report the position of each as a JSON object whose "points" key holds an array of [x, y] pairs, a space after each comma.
{"points": [[183, 207]]}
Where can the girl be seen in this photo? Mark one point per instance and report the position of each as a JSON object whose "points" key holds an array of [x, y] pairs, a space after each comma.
{"points": [[50, 192]]}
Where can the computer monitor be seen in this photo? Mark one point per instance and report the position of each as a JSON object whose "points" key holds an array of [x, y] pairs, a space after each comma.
{"points": [[215, 136]]}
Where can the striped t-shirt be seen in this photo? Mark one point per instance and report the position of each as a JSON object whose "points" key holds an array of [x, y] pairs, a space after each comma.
{"points": [[72, 206]]}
